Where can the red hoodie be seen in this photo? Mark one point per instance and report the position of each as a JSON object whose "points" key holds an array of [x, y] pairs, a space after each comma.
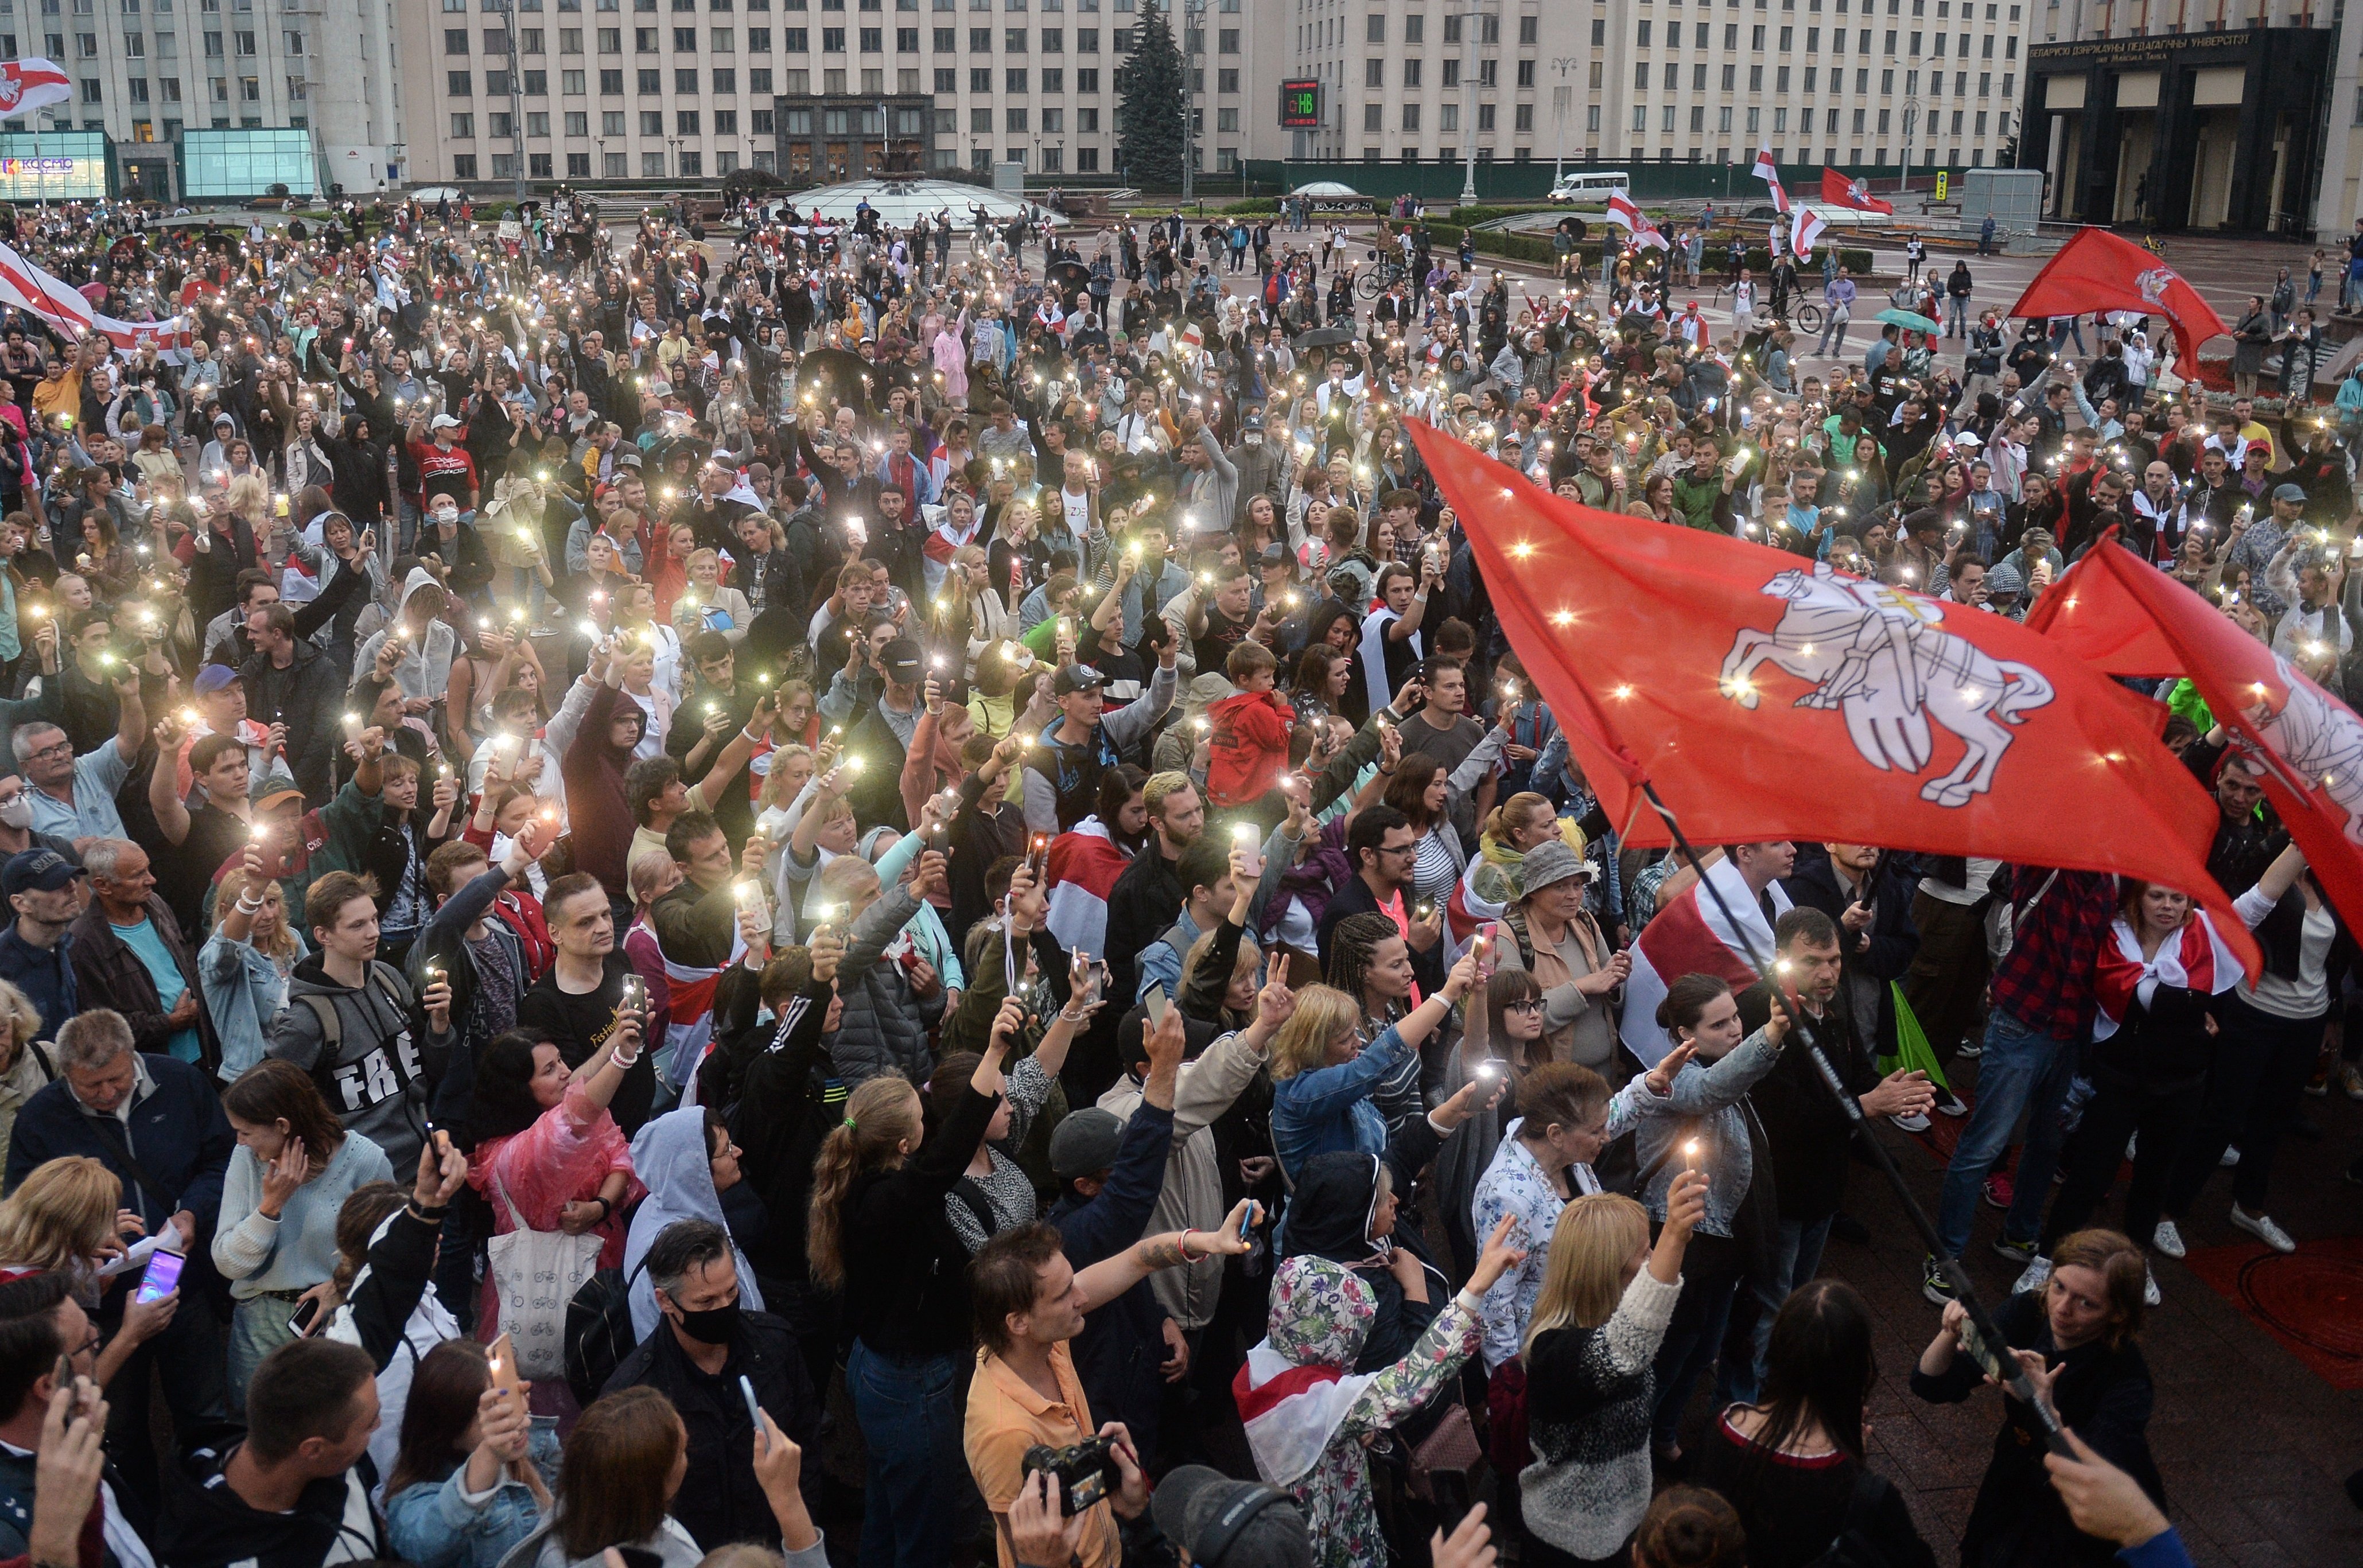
{"points": [[1246, 746]]}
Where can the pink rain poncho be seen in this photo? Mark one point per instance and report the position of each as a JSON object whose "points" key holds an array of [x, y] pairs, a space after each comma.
{"points": [[561, 1158]]}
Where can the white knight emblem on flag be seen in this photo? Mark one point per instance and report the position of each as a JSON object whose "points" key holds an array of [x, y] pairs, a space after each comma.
{"points": [[11, 89], [1880, 658], [2317, 744], [2153, 284]]}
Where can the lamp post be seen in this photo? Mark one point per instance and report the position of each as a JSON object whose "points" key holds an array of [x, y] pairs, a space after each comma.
{"points": [[1194, 19], [1561, 96], [516, 106], [1470, 26]]}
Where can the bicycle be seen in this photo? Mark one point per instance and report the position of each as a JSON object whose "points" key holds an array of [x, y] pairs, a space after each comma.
{"points": [[1371, 282]]}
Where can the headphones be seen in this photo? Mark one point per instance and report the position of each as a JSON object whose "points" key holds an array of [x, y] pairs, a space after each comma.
{"points": [[1225, 1527]]}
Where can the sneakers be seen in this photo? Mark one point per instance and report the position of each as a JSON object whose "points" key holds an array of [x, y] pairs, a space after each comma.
{"points": [[1971, 1049], [2262, 1227], [1950, 1104], [2016, 1252], [2231, 1156], [2130, 1142], [1999, 1191], [1917, 1122], [1935, 1284], [2151, 1296], [2350, 1079], [2168, 1239], [2037, 1275]]}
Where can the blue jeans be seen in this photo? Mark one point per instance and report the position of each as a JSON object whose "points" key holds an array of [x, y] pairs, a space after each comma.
{"points": [[911, 1426], [1799, 1258], [2023, 1070]]}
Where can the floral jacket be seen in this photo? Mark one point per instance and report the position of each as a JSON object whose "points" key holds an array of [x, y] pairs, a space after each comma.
{"points": [[1320, 1315]]}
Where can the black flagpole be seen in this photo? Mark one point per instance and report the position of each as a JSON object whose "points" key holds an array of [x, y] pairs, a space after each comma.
{"points": [[1986, 1342]]}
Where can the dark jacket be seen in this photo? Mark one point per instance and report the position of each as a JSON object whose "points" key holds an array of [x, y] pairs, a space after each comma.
{"points": [[177, 1134], [1808, 1132], [1140, 907], [308, 697], [443, 941], [720, 1501], [1120, 1354], [1329, 1216], [1894, 940], [105, 967], [206, 1524], [782, 1096], [2104, 1394]]}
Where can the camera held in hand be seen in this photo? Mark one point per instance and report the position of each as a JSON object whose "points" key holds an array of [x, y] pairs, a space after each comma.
{"points": [[1087, 1471]]}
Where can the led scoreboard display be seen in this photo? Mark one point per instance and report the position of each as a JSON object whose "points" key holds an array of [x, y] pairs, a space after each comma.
{"points": [[1300, 105]]}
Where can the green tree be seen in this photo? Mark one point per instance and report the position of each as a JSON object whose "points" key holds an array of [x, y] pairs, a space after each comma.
{"points": [[1150, 126]]}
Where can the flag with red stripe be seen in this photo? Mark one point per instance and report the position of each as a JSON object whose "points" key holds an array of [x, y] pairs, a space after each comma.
{"points": [[1770, 173], [1082, 868], [1691, 937]]}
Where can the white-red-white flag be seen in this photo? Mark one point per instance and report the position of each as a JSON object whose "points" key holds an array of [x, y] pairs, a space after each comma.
{"points": [[1770, 173], [1805, 229], [1625, 214]]}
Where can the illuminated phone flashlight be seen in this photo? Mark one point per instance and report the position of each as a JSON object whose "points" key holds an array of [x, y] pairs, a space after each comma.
{"points": [[1691, 1155]]}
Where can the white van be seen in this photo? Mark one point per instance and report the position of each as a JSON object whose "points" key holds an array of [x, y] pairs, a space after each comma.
{"points": [[1594, 187]]}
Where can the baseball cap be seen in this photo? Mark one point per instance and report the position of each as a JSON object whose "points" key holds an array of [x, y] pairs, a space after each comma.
{"points": [[1275, 555], [903, 661], [278, 795], [1073, 678], [214, 677], [1252, 422], [45, 869], [1240, 1524], [1084, 1143], [2289, 492], [443, 421]]}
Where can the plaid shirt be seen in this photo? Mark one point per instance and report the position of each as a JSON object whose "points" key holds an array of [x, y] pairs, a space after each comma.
{"points": [[2046, 980]]}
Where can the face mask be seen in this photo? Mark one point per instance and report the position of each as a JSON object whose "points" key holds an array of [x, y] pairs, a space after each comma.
{"points": [[17, 813], [713, 1327], [447, 519]]}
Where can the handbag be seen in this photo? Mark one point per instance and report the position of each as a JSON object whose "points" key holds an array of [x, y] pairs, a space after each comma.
{"points": [[536, 1275], [1453, 1448]]}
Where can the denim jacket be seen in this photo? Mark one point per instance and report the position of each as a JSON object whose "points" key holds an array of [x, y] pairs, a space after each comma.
{"points": [[1705, 1104], [437, 1525], [243, 990], [1330, 1108]]}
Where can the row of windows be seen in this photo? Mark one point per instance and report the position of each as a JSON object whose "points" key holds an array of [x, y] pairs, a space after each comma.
{"points": [[725, 41], [168, 45], [1788, 36], [460, 7], [723, 80], [1780, 77], [1781, 122]]}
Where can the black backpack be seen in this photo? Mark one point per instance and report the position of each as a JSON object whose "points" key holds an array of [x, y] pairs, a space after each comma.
{"points": [[1854, 1546], [599, 1332]]}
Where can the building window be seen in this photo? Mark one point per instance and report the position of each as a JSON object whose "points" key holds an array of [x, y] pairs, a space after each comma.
{"points": [[652, 166], [1015, 80], [874, 40], [1016, 118], [692, 165], [726, 80], [463, 166], [652, 122], [1087, 80], [832, 40], [1088, 122], [455, 40], [538, 124], [1087, 161], [1225, 119], [684, 80], [457, 83], [537, 83], [571, 84], [685, 122]]}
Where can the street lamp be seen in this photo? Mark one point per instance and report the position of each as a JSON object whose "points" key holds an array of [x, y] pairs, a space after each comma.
{"points": [[1193, 20], [1561, 96], [516, 106], [1470, 29]]}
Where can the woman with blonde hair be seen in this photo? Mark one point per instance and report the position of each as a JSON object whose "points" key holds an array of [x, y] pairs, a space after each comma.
{"points": [[1325, 1078], [24, 1063], [244, 967], [63, 1218], [1606, 1298], [879, 1235], [709, 605]]}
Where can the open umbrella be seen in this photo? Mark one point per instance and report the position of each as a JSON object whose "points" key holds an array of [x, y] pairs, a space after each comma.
{"points": [[1070, 278], [833, 375], [1327, 336], [1909, 319]]}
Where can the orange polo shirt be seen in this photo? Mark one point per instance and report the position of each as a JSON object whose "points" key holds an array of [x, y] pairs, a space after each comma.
{"points": [[1006, 1417]]}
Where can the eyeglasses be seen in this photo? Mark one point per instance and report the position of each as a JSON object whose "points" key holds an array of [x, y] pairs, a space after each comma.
{"points": [[64, 747], [1531, 1005], [1399, 848]]}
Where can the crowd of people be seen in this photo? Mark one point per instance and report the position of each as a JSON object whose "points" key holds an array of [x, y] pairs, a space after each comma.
{"points": [[692, 897]]}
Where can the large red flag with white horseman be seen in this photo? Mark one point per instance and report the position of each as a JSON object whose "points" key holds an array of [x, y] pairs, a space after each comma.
{"points": [[1768, 697], [2126, 618], [1841, 190], [2098, 271]]}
